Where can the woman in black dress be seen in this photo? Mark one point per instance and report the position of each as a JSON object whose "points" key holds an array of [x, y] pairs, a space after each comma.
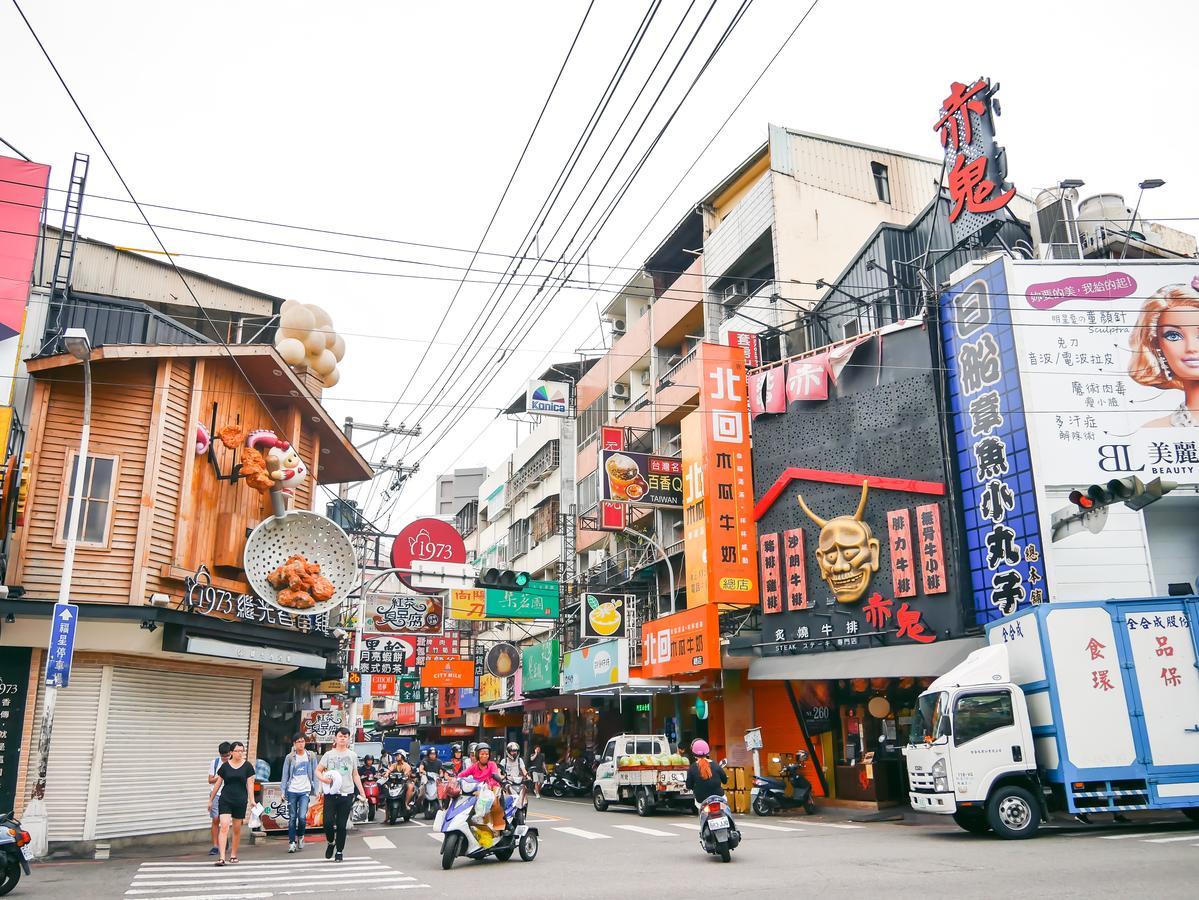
{"points": [[235, 783]]}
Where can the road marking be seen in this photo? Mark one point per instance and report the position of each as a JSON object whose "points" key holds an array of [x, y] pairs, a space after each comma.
{"points": [[437, 835], [379, 842], [257, 868], [690, 825], [652, 832], [224, 880], [398, 881], [829, 825], [744, 824], [1125, 837], [1188, 837], [589, 835], [281, 862]]}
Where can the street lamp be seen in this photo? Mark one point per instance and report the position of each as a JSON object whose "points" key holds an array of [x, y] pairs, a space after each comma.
{"points": [[1147, 185], [34, 818]]}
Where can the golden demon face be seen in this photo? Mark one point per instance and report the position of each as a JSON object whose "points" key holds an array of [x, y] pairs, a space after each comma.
{"points": [[847, 552]]}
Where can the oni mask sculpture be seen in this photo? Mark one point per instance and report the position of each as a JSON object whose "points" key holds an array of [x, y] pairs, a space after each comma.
{"points": [[847, 551]]}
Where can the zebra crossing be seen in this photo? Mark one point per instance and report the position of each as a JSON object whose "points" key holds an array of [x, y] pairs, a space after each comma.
{"points": [[260, 879], [668, 829]]}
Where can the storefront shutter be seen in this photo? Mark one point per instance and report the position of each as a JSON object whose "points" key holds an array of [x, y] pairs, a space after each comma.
{"points": [[71, 747], [163, 731]]}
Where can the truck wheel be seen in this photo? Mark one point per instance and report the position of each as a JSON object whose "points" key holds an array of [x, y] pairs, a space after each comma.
{"points": [[1013, 813], [645, 805], [1192, 813], [597, 798], [974, 821]]}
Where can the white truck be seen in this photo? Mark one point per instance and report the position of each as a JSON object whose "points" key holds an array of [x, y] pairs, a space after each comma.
{"points": [[1085, 708], [640, 770]]}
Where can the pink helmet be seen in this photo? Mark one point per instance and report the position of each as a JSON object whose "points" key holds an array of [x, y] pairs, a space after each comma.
{"points": [[700, 747]]}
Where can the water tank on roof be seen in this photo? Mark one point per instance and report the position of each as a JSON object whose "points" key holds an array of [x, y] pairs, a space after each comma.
{"points": [[1103, 213]]}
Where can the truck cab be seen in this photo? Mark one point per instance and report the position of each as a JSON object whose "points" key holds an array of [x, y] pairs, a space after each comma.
{"points": [[972, 749]]}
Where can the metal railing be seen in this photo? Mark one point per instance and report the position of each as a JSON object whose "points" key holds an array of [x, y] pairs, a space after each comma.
{"points": [[536, 470], [669, 373]]}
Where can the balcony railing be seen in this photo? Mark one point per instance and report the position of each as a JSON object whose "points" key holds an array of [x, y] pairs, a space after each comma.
{"points": [[669, 374], [536, 470]]}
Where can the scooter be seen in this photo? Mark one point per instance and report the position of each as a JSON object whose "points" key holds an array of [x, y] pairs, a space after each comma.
{"points": [[572, 780], [370, 790], [461, 838], [769, 795], [397, 799], [718, 834], [427, 795], [14, 850]]}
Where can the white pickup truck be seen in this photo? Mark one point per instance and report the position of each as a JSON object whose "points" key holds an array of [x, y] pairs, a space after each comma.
{"points": [[640, 770]]}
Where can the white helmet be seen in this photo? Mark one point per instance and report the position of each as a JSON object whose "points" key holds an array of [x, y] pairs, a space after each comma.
{"points": [[513, 747], [402, 754]]}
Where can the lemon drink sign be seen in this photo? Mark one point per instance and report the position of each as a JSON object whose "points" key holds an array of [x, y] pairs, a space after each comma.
{"points": [[604, 615]]}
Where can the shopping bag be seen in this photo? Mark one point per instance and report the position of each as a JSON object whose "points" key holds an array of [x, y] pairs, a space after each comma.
{"points": [[483, 801], [256, 812]]}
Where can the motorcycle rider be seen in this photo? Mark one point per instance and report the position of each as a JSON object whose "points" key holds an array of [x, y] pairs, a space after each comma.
{"points": [[513, 767], [400, 764], [431, 767], [486, 772], [457, 763], [705, 778]]}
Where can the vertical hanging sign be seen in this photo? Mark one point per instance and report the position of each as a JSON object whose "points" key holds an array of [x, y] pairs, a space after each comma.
{"points": [[899, 535], [795, 573], [772, 598]]}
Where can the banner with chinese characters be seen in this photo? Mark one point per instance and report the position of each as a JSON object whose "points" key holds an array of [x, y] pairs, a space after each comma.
{"points": [[539, 666], [720, 541], [992, 438], [380, 654], [404, 613], [319, 725], [858, 557], [684, 642], [14, 688], [641, 478]]}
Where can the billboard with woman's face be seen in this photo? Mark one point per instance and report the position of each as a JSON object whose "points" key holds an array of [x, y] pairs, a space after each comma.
{"points": [[1109, 363]]}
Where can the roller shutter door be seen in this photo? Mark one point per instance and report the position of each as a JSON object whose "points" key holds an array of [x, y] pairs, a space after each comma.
{"points": [[163, 730], [72, 746]]}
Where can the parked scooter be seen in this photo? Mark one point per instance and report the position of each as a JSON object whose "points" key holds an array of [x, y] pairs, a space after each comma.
{"points": [[718, 834], [396, 789], [461, 838], [574, 779], [14, 845], [769, 795]]}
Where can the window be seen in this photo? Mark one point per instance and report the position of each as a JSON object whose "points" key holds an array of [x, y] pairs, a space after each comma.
{"points": [[977, 714], [881, 186], [851, 328], [588, 487], [610, 750], [95, 511], [591, 419], [518, 538]]}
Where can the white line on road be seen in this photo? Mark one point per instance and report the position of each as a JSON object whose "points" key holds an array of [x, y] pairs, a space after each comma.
{"points": [[652, 832], [1171, 840], [379, 842], [829, 825], [437, 835], [256, 868], [1125, 837], [281, 862], [589, 835], [222, 880], [360, 883], [744, 824], [689, 825]]}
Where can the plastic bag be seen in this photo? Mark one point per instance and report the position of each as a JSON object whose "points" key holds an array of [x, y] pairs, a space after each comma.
{"points": [[483, 801], [256, 812]]}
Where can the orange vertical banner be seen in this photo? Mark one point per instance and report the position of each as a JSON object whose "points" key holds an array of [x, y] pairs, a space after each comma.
{"points": [[721, 483]]}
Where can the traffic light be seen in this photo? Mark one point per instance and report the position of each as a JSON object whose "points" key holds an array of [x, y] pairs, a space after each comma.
{"points": [[1130, 491], [502, 579], [354, 686]]}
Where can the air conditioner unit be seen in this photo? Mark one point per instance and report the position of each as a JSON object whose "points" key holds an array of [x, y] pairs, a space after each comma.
{"points": [[645, 378], [1055, 225], [620, 391], [733, 294], [674, 360], [618, 326]]}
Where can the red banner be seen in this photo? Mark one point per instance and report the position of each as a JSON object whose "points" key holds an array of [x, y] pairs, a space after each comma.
{"points": [[22, 195], [795, 571], [807, 379], [757, 382], [383, 685], [772, 588], [406, 714], [775, 400], [899, 540], [932, 554], [447, 703], [611, 437], [613, 515], [748, 342]]}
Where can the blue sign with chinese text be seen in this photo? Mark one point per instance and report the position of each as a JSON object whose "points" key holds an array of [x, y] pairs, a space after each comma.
{"points": [[991, 442], [62, 644]]}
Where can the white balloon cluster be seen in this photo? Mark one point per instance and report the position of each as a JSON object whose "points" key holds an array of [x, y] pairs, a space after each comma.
{"points": [[306, 338]]}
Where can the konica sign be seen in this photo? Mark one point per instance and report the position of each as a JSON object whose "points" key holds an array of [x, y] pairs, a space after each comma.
{"points": [[548, 398]]}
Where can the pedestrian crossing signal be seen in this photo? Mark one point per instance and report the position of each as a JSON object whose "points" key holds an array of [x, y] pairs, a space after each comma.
{"points": [[354, 685], [502, 579]]}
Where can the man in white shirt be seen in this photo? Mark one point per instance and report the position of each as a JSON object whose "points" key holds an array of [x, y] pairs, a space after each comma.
{"points": [[339, 793]]}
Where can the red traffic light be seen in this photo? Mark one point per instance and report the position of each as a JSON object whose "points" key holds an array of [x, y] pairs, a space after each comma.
{"points": [[1081, 500]]}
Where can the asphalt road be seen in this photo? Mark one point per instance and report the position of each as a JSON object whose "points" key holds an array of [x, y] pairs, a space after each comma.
{"points": [[585, 854]]}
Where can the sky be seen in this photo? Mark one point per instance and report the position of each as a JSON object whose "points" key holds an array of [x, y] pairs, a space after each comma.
{"points": [[404, 121]]}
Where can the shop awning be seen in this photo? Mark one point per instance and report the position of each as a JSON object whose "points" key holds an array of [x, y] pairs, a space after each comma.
{"points": [[874, 662]]}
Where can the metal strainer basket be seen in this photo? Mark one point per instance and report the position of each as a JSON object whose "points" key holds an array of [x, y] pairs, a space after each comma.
{"points": [[314, 537]]}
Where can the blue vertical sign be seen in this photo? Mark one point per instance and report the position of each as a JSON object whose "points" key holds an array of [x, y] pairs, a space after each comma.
{"points": [[991, 440], [62, 644]]}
